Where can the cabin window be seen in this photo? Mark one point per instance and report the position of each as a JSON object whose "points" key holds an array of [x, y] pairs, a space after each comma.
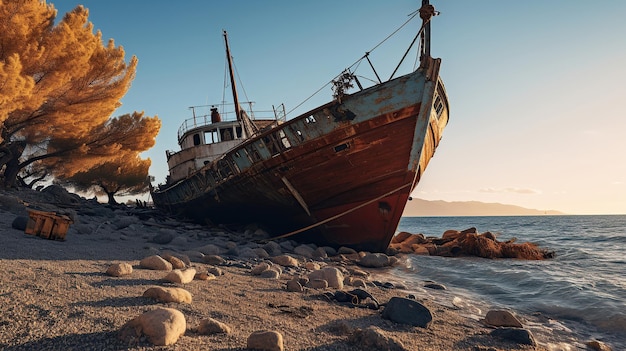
{"points": [[342, 147], [223, 168], [254, 154], [196, 139], [226, 134], [283, 139], [211, 136], [238, 131], [310, 119], [270, 142], [438, 105]]}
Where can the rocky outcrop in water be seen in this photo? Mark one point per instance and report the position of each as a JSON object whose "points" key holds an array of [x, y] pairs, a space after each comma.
{"points": [[468, 242]]}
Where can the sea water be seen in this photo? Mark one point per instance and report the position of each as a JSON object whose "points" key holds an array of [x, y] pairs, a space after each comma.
{"points": [[575, 297]]}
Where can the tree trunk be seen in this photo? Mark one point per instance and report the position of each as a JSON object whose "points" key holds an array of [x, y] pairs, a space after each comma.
{"points": [[111, 198], [12, 165]]}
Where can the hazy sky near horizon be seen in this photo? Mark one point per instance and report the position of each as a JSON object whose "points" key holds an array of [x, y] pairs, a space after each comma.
{"points": [[537, 88]]}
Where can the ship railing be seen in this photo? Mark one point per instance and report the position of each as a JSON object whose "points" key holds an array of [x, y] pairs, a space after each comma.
{"points": [[202, 115]]}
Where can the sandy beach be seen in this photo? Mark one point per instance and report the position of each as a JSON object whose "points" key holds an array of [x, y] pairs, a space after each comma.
{"points": [[56, 295]]}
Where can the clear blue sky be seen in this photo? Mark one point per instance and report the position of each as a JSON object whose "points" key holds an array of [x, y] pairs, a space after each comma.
{"points": [[537, 88]]}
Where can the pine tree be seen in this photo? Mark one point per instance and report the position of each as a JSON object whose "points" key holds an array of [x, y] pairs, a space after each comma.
{"points": [[125, 175], [59, 85]]}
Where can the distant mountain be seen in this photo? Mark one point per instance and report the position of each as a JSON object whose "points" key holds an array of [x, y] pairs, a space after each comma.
{"points": [[426, 208]]}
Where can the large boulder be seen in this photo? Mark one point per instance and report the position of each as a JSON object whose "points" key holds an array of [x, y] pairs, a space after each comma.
{"points": [[406, 311], [161, 326]]}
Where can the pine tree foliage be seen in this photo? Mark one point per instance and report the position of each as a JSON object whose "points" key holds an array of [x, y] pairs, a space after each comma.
{"points": [[59, 86], [125, 175]]}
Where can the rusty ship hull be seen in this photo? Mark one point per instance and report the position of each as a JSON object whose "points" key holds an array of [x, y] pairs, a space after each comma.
{"points": [[338, 175]]}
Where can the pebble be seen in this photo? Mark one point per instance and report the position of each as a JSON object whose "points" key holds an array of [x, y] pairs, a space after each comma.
{"points": [[155, 262], [181, 276], [331, 275], [119, 269], [285, 260], [260, 268], [165, 294], [502, 318], [518, 335], [212, 326], [294, 285], [375, 260], [176, 262], [374, 338], [265, 340], [204, 276]]}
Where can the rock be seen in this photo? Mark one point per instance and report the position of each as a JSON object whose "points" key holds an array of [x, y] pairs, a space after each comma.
{"points": [[272, 248], [210, 249], [502, 318], [332, 275], [518, 335], [285, 261], [373, 338], [330, 251], [312, 266], [212, 326], [165, 294], [195, 256], [213, 260], [270, 274], [20, 223], [435, 286], [345, 251], [181, 276], [375, 260], [265, 340], [406, 311], [320, 253], [260, 268], [162, 238], [261, 253], [304, 250], [294, 285], [356, 282], [216, 271], [58, 194], [179, 241], [162, 327], [176, 262], [451, 234], [598, 345], [287, 245], [119, 269], [155, 262], [204, 276], [317, 284], [400, 237]]}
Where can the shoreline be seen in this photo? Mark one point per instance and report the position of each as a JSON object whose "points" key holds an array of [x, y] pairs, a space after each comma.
{"points": [[56, 295]]}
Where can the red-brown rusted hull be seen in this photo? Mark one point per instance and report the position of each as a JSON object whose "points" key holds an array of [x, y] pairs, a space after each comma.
{"points": [[343, 176]]}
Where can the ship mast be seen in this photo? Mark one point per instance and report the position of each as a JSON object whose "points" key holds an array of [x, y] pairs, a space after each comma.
{"points": [[426, 13], [247, 124]]}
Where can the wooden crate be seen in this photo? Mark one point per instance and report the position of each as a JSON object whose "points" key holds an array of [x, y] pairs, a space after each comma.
{"points": [[47, 225]]}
